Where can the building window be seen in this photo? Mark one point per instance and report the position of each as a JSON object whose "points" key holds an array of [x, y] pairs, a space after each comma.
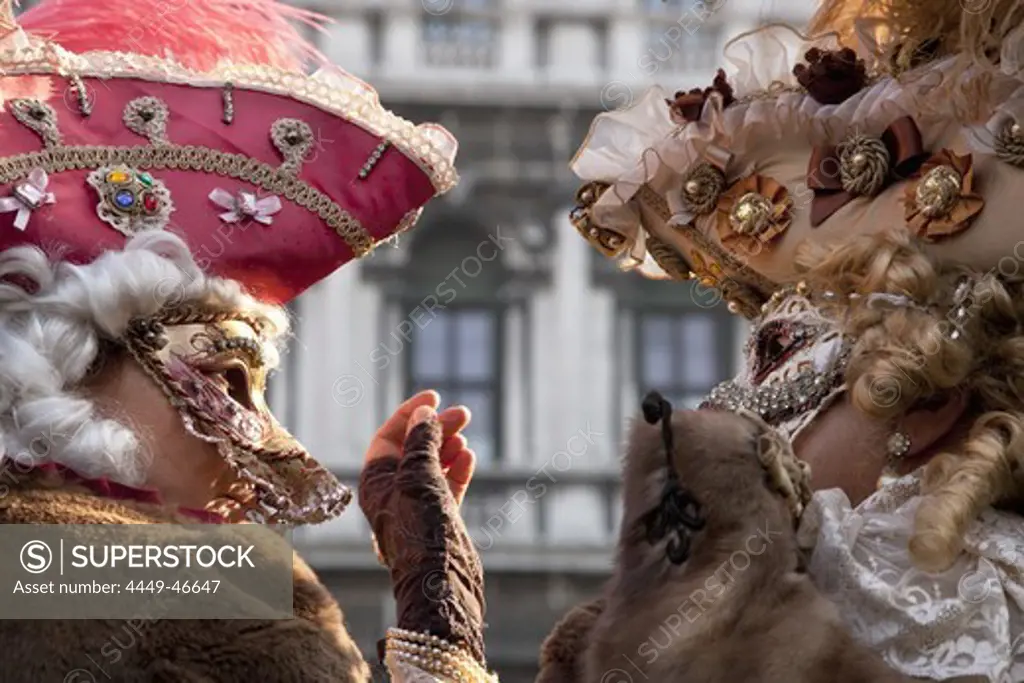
{"points": [[673, 48], [670, 339], [666, 6], [457, 353], [682, 35], [462, 37], [450, 301], [683, 355]]}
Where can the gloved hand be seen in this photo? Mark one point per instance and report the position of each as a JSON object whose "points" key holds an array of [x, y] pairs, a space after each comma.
{"points": [[412, 505]]}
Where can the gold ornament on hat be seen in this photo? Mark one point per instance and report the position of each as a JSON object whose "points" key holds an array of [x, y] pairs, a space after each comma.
{"points": [[863, 165], [938, 190], [131, 200], [941, 201], [1009, 144], [753, 212], [702, 187], [608, 242], [741, 286], [751, 215]]}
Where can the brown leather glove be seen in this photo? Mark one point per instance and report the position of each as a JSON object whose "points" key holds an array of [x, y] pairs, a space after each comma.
{"points": [[436, 572]]}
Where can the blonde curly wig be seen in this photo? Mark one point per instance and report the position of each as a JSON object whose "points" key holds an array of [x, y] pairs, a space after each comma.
{"points": [[912, 356], [913, 31]]}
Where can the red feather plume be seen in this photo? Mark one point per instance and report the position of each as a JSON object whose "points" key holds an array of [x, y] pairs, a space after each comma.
{"points": [[199, 34]]}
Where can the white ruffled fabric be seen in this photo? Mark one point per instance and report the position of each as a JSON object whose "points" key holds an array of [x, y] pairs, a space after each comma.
{"points": [[967, 621], [641, 144]]}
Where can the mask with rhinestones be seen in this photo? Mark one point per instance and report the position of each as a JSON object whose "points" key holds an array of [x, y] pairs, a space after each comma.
{"points": [[214, 372], [795, 364]]}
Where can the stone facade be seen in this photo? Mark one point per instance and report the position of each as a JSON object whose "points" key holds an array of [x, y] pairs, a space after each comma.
{"points": [[517, 82], [571, 344]]}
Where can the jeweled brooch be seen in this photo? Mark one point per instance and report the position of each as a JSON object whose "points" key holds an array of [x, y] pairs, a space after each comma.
{"points": [[131, 201]]}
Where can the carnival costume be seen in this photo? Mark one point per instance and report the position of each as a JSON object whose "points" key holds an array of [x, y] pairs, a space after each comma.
{"points": [[900, 130], [123, 122]]}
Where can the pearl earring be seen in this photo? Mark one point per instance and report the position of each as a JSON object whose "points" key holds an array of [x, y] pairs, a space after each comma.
{"points": [[896, 448]]}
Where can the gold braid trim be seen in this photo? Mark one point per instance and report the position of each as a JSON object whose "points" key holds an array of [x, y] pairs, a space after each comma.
{"points": [[332, 91], [232, 504], [196, 314], [668, 259], [199, 159]]}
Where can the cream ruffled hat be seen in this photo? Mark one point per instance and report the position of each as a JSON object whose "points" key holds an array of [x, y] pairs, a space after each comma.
{"points": [[899, 113]]}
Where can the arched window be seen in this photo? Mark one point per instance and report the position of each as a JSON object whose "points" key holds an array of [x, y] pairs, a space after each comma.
{"points": [[451, 291]]}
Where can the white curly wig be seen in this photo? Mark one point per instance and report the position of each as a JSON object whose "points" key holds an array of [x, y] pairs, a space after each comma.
{"points": [[51, 337]]}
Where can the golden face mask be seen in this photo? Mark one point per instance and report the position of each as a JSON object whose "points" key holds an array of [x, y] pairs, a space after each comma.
{"points": [[214, 371]]}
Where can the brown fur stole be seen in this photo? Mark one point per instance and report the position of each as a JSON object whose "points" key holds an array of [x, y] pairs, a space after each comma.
{"points": [[313, 646], [737, 606]]}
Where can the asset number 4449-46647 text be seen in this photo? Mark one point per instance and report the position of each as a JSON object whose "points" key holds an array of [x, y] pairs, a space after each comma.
{"points": [[176, 587]]}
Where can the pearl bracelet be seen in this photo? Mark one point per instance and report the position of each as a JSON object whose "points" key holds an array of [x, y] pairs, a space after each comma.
{"points": [[435, 656]]}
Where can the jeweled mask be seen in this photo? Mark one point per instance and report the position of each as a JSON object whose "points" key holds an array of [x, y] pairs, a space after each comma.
{"points": [[796, 360], [213, 368]]}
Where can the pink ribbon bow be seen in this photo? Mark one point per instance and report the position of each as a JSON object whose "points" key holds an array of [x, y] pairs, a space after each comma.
{"points": [[27, 196], [245, 205]]}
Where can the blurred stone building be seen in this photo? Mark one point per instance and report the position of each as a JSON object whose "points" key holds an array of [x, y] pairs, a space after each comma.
{"points": [[496, 302]]}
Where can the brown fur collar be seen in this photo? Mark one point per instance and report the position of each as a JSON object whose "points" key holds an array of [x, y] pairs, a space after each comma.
{"points": [[561, 655], [736, 607], [311, 647]]}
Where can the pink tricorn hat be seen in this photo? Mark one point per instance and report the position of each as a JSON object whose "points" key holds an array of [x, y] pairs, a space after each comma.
{"points": [[201, 121]]}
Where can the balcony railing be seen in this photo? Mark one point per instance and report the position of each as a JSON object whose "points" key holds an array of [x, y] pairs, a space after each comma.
{"points": [[456, 41], [535, 50], [520, 522]]}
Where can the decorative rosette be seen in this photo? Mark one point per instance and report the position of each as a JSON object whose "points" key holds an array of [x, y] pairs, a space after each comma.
{"points": [[753, 212], [940, 201], [699, 192], [1002, 134], [1009, 143], [608, 242], [862, 166]]}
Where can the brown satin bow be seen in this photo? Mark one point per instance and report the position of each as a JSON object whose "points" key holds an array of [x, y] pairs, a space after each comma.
{"points": [[906, 154]]}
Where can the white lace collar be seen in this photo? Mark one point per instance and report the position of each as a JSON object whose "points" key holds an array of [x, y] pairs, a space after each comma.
{"points": [[967, 621]]}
